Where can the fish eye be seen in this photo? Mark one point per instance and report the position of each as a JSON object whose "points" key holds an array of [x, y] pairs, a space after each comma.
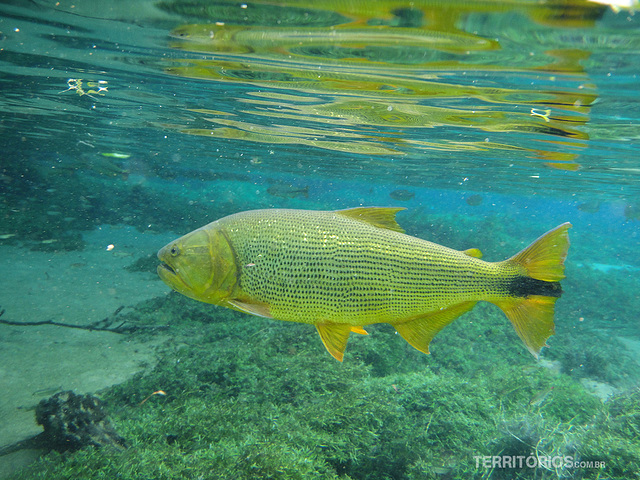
{"points": [[174, 250]]}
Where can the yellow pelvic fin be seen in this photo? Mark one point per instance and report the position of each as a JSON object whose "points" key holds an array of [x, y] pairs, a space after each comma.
{"points": [[258, 309], [544, 258], [335, 337], [381, 217], [359, 330], [420, 332], [532, 317], [473, 252]]}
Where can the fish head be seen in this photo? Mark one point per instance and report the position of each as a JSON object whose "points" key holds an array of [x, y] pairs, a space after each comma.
{"points": [[200, 265]]}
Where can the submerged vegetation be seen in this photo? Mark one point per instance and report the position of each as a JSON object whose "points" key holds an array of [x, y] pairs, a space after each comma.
{"points": [[251, 398]]}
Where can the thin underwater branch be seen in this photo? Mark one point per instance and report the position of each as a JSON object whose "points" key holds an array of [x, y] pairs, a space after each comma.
{"points": [[103, 325]]}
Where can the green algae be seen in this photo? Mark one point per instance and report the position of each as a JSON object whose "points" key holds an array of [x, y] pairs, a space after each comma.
{"points": [[251, 398]]}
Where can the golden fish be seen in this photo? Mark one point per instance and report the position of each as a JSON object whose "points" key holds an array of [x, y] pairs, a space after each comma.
{"points": [[343, 270]]}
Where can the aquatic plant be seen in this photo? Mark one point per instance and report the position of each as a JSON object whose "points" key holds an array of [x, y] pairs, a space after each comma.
{"points": [[252, 398]]}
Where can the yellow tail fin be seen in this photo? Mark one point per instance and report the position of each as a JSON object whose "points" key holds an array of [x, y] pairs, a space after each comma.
{"points": [[544, 258], [531, 312]]}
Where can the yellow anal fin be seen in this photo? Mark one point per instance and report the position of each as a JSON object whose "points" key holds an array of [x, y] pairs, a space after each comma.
{"points": [[532, 317], [381, 217], [335, 337], [544, 258], [419, 332], [252, 308], [359, 330]]}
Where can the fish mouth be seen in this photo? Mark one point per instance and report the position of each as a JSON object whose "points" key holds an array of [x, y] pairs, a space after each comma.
{"points": [[164, 266], [173, 279], [167, 274]]}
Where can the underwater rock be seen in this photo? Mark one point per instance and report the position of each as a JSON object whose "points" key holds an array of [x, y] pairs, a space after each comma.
{"points": [[73, 421]]}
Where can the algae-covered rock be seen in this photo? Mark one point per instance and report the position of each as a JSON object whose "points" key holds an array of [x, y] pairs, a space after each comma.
{"points": [[73, 421]]}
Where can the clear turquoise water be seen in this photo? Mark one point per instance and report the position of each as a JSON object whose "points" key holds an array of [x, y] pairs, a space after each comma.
{"points": [[501, 120]]}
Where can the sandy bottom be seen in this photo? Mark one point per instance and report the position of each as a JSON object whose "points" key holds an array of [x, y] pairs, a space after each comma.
{"points": [[71, 287]]}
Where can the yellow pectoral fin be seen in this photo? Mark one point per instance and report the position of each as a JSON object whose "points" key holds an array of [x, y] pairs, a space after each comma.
{"points": [[419, 332], [258, 309], [335, 337]]}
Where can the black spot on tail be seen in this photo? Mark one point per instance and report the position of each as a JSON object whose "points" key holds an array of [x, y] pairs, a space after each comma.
{"points": [[525, 286]]}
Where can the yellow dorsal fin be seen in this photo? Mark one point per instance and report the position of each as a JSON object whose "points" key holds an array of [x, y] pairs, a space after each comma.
{"points": [[473, 252], [381, 217], [420, 332], [335, 337], [359, 330]]}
